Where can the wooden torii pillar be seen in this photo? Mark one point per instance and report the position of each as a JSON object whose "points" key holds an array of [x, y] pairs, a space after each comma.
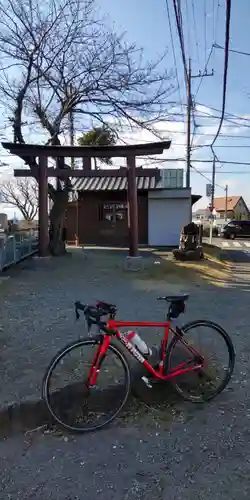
{"points": [[86, 152]]}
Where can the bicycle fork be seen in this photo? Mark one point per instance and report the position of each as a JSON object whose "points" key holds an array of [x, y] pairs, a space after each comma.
{"points": [[97, 361]]}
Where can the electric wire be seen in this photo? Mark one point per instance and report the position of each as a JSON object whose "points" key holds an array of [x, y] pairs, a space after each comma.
{"points": [[216, 46], [195, 34], [205, 30], [173, 50], [227, 38]]}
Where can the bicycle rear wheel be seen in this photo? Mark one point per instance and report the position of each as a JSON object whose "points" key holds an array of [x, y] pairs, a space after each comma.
{"points": [[206, 383], [70, 401]]}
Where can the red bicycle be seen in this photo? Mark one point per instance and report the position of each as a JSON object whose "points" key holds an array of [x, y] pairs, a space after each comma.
{"points": [[81, 405]]}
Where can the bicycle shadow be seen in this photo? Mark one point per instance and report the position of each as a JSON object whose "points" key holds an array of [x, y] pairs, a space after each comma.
{"points": [[156, 406]]}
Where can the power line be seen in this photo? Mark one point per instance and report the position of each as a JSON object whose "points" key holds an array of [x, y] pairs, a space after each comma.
{"points": [[227, 113], [216, 46], [228, 172], [205, 29], [220, 146], [198, 134], [224, 161], [173, 49], [202, 174], [216, 19], [228, 120], [224, 93], [181, 37], [188, 28], [161, 160], [204, 73], [227, 37], [195, 34]]}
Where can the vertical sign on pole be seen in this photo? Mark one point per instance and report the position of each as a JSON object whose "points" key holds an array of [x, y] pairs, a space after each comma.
{"points": [[208, 190]]}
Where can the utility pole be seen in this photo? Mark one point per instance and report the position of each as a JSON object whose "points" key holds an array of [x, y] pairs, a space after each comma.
{"points": [[189, 109], [213, 184], [71, 126], [72, 137], [226, 191], [212, 202]]}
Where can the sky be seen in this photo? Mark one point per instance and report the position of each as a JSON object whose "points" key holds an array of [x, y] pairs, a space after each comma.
{"points": [[146, 22]]}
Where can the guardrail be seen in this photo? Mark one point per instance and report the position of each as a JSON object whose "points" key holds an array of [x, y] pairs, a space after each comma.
{"points": [[15, 248]]}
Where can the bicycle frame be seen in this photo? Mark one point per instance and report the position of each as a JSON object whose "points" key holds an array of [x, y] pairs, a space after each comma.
{"points": [[158, 373]]}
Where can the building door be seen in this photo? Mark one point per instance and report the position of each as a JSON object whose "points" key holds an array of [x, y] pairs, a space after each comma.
{"points": [[113, 224]]}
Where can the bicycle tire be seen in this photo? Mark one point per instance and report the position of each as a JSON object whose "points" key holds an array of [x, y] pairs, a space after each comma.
{"points": [[58, 357], [175, 382]]}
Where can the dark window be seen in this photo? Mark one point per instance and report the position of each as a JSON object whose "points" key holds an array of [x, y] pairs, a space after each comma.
{"points": [[232, 224], [246, 226]]}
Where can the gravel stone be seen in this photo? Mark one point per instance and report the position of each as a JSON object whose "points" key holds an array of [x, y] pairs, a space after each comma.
{"points": [[206, 455]]}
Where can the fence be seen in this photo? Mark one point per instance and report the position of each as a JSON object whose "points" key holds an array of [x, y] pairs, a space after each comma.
{"points": [[15, 248]]}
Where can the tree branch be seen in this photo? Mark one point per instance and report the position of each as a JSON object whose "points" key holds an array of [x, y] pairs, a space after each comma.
{"points": [[23, 195]]}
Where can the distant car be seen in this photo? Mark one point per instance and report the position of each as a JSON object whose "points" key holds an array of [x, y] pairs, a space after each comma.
{"points": [[220, 226], [236, 229]]}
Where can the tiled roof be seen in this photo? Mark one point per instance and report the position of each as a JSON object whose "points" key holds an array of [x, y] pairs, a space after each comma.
{"points": [[111, 183], [220, 203]]}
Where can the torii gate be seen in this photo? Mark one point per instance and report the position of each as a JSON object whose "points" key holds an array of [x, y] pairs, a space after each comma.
{"points": [[86, 153]]}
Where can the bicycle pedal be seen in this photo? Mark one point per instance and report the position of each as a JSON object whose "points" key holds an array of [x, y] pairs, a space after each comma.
{"points": [[146, 381]]}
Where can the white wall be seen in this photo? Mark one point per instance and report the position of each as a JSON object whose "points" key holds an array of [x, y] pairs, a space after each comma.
{"points": [[167, 215]]}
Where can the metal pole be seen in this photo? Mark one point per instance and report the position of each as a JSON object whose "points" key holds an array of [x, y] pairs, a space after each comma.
{"points": [[132, 207], [43, 228], [71, 127], [213, 185], [189, 104], [226, 190], [212, 201]]}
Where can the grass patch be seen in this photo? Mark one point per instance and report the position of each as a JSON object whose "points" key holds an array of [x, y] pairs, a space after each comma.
{"points": [[160, 265], [212, 269]]}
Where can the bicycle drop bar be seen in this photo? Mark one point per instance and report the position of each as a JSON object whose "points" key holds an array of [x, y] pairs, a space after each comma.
{"points": [[90, 312], [93, 316]]}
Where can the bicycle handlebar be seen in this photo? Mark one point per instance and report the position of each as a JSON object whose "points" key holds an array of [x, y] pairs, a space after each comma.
{"points": [[93, 314]]}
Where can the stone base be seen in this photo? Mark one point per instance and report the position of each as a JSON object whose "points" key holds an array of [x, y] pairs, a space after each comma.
{"points": [[133, 263], [191, 255]]}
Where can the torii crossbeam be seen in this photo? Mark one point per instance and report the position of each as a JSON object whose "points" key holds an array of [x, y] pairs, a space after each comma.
{"points": [[86, 153]]}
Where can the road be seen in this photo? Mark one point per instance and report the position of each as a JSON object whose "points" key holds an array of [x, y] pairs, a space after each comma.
{"points": [[240, 244]]}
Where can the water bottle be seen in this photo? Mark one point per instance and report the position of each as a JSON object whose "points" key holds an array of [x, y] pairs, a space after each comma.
{"points": [[136, 340]]}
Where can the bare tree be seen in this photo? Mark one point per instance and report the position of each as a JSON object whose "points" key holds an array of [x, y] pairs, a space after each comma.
{"points": [[21, 194], [56, 57]]}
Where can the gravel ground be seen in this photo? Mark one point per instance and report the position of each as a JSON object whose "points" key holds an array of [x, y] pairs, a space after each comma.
{"points": [[200, 451], [37, 311]]}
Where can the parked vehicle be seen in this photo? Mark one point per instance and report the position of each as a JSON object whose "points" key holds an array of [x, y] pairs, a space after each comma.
{"points": [[236, 229]]}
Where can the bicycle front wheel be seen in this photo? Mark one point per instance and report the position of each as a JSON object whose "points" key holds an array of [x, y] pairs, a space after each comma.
{"points": [[214, 344], [65, 390]]}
